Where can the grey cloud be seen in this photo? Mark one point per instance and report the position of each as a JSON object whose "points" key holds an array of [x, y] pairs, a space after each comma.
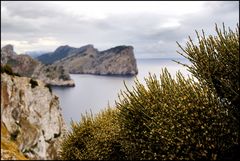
{"points": [[143, 31], [19, 26], [223, 6], [31, 10]]}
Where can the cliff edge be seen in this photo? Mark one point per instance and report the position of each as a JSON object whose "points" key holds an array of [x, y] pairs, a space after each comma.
{"points": [[119, 60], [29, 67], [32, 116]]}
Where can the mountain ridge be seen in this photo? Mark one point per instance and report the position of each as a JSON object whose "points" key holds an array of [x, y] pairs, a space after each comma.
{"points": [[119, 60], [59, 53]]}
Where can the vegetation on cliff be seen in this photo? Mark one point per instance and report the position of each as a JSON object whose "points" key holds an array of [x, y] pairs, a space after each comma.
{"points": [[9, 147], [171, 119], [24, 65], [8, 70]]}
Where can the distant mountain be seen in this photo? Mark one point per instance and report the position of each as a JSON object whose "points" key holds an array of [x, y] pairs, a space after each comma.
{"points": [[119, 60], [60, 53], [35, 54], [26, 66]]}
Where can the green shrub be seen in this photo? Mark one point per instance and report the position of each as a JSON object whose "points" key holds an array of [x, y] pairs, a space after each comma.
{"points": [[93, 138], [174, 120], [215, 62], [171, 119], [33, 83], [8, 70], [47, 70], [2, 70], [63, 73], [168, 119], [13, 136]]}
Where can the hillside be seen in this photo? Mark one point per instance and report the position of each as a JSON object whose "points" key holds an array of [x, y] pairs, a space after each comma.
{"points": [[24, 65]]}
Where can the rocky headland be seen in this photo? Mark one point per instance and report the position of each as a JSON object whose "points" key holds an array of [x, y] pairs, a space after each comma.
{"points": [[119, 60], [24, 65]]}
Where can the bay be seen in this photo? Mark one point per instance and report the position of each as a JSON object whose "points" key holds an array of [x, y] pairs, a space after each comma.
{"points": [[93, 93]]}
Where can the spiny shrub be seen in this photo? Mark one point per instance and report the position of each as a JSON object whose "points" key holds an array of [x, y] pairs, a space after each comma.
{"points": [[170, 119], [33, 83], [174, 120], [93, 138], [215, 62]]}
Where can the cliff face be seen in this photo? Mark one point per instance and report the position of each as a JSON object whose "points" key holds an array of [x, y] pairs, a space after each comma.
{"points": [[27, 66], [119, 60], [32, 116]]}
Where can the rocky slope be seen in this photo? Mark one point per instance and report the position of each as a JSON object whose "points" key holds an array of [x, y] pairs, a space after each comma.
{"points": [[9, 148], [119, 60], [32, 117], [27, 66]]}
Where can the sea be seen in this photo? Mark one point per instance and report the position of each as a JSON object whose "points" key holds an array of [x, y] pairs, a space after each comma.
{"points": [[94, 93]]}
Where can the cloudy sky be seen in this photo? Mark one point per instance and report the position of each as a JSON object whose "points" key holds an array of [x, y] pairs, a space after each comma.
{"points": [[152, 28]]}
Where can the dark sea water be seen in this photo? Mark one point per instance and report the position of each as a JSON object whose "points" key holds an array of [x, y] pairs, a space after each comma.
{"points": [[94, 93]]}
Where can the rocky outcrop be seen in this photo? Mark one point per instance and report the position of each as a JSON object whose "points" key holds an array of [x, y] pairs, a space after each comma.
{"points": [[55, 75], [32, 116], [119, 60], [27, 66], [115, 61]]}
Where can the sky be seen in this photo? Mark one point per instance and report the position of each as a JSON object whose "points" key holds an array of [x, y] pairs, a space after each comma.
{"points": [[151, 27]]}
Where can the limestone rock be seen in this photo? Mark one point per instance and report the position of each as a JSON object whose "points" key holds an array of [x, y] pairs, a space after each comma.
{"points": [[119, 60], [27, 66], [32, 116], [9, 148]]}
